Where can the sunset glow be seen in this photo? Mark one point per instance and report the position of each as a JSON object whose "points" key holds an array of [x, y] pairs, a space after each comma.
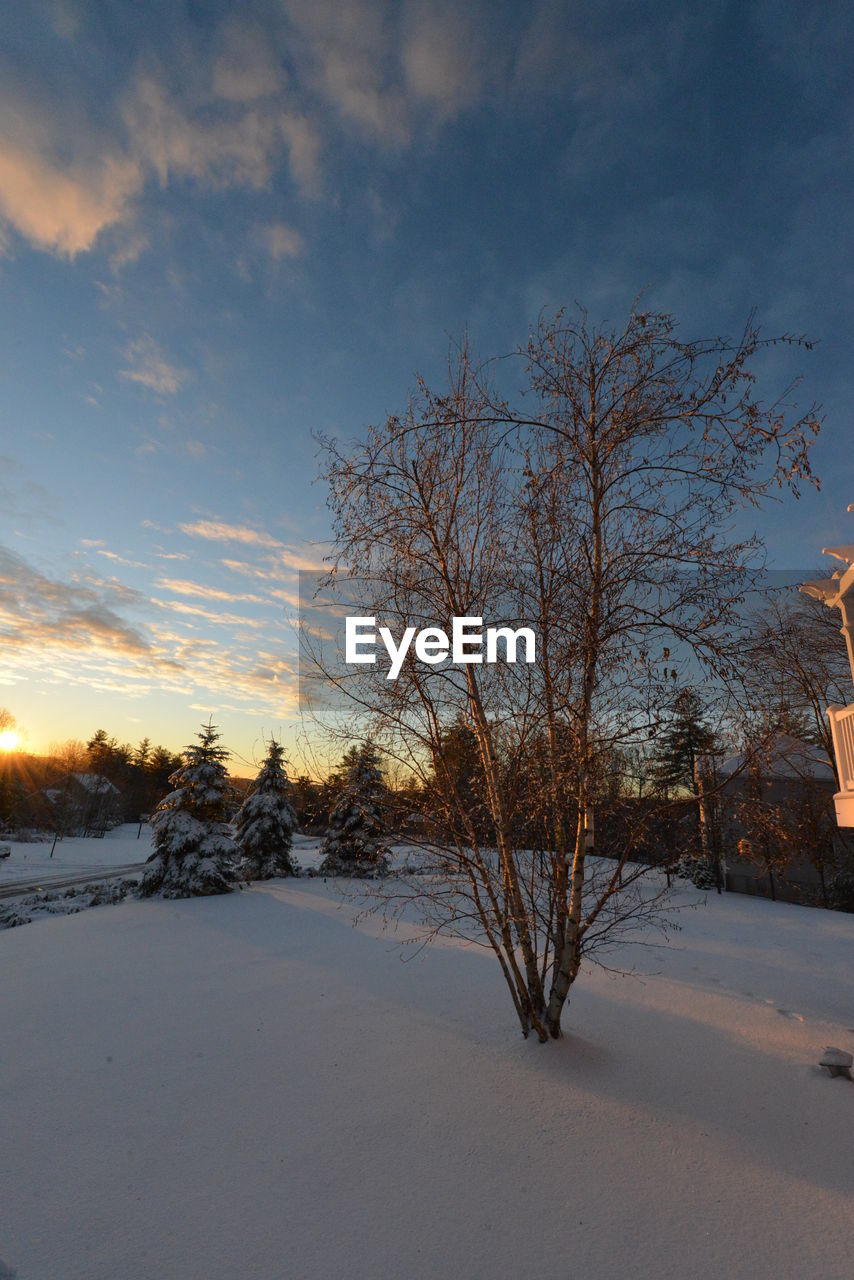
{"points": [[10, 740], [210, 259]]}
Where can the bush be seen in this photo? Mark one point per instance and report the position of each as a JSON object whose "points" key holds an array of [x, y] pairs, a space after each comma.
{"points": [[840, 890], [699, 871]]}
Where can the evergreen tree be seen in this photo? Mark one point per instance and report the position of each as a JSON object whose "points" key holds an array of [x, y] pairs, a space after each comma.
{"points": [[354, 844], [683, 743], [459, 781], [100, 748], [193, 849], [335, 784], [306, 799], [681, 758], [266, 820]]}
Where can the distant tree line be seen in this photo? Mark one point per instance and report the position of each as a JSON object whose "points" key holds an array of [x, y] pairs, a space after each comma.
{"points": [[663, 802], [64, 791]]}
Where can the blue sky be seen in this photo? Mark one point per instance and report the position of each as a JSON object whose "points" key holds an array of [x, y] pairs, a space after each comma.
{"points": [[224, 228]]}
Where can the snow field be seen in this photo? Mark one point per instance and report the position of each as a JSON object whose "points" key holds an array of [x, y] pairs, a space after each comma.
{"points": [[250, 1086], [118, 848]]}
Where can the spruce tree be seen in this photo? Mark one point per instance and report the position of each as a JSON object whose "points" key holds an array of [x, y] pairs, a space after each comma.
{"points": [[683, 743], [266, 821], [194, 852], [681, 756], [354, 844]]}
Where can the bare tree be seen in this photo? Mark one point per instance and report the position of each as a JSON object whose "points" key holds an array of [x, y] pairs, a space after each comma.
{"points": [[767, 834], [597, 512], [797, 665], [65, 760]]}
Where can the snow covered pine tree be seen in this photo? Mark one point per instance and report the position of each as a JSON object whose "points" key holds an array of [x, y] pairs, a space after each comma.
{"points": [[193, 850], [265, 822], [354, 844]]}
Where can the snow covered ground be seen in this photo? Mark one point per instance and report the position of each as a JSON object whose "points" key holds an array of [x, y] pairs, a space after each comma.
{"points": [[308, 853], [118, 848], [252, 1088]]}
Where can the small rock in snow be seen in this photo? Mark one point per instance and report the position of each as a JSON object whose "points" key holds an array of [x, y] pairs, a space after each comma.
{"points": [[837, 1061]]}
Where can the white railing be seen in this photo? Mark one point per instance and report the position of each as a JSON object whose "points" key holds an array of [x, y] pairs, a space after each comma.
{"points": [[842, 728]]}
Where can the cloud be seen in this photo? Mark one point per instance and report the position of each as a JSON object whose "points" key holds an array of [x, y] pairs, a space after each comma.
{"points": [[382, 67], [38, 610], [63, 209], [303, 142], [180, 586], [281, 241], [440, 59], [64, 18], [148, 366], [287, 597], [227, 113], [56, 633], [223, 119], [117, 559], [271, 566], [148, 447], [219, 531], [290, 558], [349, 53], [129, 248], [175, 140], [243, 567], [247, 68], [219, 619]]}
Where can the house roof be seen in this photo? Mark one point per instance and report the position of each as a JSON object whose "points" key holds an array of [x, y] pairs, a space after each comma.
{"points": [[786, 757], [96, 783]]}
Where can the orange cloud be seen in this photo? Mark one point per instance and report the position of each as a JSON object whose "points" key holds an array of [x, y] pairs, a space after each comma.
{"points": [[63, 210], [182, 587], [219, 531], [235, 117], [57, 633]]}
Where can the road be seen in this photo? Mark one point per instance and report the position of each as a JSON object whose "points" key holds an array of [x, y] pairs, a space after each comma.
{"points": [[18, 888]]}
